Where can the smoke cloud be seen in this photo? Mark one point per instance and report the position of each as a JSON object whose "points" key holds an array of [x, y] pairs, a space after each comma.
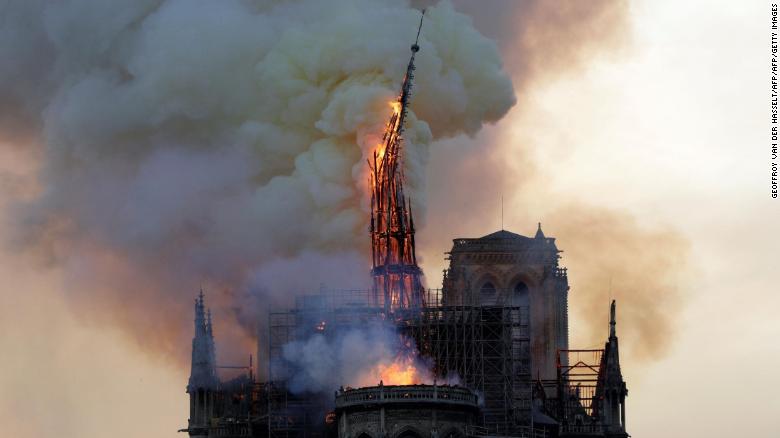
{"points": [[356, 357], [613, 256], [186, 143], [646, 263], [194, 142]]}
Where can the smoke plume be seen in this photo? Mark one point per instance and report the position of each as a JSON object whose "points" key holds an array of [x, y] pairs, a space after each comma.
{"points": [[223, 144], [357, 357], [613, 256], [185, 143], [646, 264]]}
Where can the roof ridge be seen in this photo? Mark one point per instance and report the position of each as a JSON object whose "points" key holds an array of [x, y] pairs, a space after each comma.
{"points": [[503, 234]]}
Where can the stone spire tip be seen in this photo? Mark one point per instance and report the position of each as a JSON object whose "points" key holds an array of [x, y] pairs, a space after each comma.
{"points": [[612, 322]]}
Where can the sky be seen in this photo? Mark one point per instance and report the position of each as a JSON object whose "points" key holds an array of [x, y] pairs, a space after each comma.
{"points": [[674, 130], [668, 125]]}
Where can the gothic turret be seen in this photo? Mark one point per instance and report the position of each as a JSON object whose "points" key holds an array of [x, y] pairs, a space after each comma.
{"points": [[203, 373], [203, 381], [612, 388], [539, 233]]}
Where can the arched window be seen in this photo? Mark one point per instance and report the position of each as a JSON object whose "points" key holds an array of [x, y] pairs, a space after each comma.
{"points": [[520, 295], [487, 294]]}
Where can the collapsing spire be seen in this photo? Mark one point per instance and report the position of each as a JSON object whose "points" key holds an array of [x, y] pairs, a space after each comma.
{"points": [[203, 373], [397, 278]]}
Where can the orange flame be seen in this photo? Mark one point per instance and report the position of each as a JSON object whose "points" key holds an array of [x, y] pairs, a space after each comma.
{"points": [[398, 373], [391, 126], [405, 369]]}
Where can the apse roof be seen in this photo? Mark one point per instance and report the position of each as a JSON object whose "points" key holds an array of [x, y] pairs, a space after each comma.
{"points": [[504, 234], [503, 240]]}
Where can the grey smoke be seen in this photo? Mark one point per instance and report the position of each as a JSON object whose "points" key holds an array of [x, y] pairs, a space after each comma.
{"points": [[184, 142], [324, 362]]}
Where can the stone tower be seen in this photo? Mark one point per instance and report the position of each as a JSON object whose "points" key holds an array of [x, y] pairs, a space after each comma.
{"points": [[504, 268], [611, 390], [203, 382]]}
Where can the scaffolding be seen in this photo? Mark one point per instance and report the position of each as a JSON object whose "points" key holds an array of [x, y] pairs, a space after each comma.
{"points": [[484, 348], [302, 415], [579, 375]]}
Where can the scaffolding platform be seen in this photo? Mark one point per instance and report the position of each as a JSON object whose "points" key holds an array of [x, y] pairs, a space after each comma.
{"points": [[484, 348]]}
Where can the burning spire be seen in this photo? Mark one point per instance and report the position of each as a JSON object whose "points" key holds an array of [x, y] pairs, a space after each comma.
{"points": [[397, 278]]}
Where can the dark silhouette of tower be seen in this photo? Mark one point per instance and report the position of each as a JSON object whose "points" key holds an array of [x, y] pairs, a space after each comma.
{"points": [[612, 389], [203, 383]]}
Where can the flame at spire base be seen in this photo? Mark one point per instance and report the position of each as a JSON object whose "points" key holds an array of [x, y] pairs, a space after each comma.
{"points": [[407, 368]]}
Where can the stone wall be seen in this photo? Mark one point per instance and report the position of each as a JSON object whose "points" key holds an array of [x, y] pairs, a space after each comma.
{"points": [[415, 411]]}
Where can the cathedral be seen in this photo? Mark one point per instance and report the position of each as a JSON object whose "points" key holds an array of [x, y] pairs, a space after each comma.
{"points": [[494, 342], [500, 323]]}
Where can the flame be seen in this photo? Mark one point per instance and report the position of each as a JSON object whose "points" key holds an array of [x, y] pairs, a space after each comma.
{"points": [[398, 373], [391, 126], [406, 369], [380, 150]]}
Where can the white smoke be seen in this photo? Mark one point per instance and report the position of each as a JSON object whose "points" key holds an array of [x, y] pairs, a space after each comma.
{"points": [[323, 362], [192, 141]]}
